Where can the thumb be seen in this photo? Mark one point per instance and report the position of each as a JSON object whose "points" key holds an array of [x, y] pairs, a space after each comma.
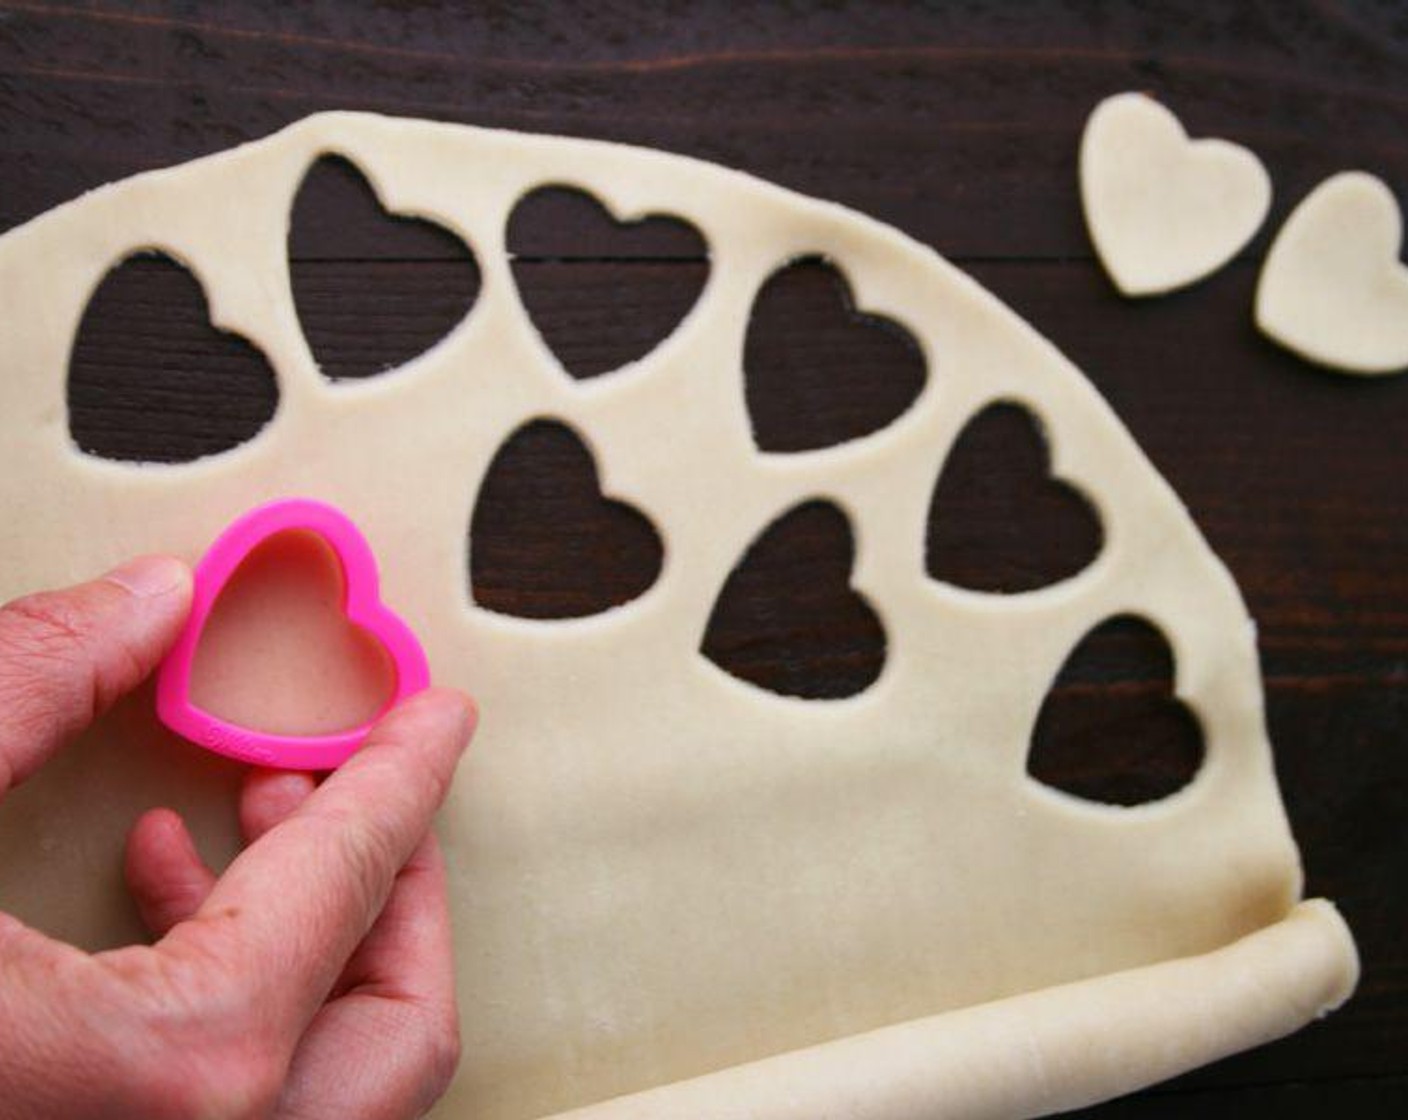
{"points": [[66, 656]]}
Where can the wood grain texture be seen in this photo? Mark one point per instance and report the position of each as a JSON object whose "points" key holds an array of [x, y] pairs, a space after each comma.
{"points": [[546, 543], [958, 125]]}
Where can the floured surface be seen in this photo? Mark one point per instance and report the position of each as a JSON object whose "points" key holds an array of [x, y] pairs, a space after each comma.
{"points": [[659, 871], [1164, 210]]}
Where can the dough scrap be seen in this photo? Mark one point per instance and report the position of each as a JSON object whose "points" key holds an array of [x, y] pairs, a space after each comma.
{"points": [[660, 872], [1164, 210], [1333, 288]]}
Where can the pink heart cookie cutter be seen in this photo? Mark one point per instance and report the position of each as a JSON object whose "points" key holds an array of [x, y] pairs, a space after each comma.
{"points": [[361, 603]]}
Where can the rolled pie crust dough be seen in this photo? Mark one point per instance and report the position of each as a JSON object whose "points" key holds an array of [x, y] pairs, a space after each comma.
{"points": [[666, 881], [1163, 210]]}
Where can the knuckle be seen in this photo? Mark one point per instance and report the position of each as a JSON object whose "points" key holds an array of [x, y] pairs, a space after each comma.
{"points": [[135, 1039], [260, 1083], [58, 659], [149, 1075], [48, 614], [44, 619], [42, 629], [43, 653], [240, 1097], [220, 1081], [163, 1089], [204, 1054]]}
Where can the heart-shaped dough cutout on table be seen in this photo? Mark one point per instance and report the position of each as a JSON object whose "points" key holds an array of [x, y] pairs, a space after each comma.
{"points": [[1164, 210], [1333, 289]]}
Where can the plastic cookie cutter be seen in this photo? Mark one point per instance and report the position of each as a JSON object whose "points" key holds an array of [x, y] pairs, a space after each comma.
{"points": [[361, 602]]}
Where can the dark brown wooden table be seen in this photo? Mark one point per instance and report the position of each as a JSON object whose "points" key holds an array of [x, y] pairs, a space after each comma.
{"points": [[958, 125]]}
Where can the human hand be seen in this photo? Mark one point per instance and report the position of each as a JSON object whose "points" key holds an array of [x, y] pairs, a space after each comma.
{"points": [[312, 979]]}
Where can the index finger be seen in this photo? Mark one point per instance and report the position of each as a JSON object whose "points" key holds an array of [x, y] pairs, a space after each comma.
{"points": [[292, 908]]}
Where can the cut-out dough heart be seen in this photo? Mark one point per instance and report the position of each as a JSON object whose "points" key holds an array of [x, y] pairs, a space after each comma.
{"points": [[787, 619], [1333, 288], [1163, 210], [675, 895]]}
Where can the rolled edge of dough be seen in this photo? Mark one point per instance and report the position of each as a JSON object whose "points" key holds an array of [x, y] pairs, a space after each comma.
{"points": [[1046, 1051]]}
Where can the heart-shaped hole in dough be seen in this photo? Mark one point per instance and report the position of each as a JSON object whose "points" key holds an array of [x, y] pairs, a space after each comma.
{"points": [[998, 521], [151, 380], [602, 293], [545, 542], [1110, 728], [787, 619], [818, 372], [373, 289], [278, 654]]}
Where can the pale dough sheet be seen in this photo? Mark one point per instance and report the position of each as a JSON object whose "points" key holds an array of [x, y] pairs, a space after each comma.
{"points": [[660, 872], [1047, 1051]]}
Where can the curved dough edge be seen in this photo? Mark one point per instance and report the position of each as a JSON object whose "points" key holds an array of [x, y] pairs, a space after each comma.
{"points": [[1041, 1052]]}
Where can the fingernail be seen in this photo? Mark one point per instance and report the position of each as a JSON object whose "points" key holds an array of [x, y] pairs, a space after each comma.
{"points": [[150, 577]]}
